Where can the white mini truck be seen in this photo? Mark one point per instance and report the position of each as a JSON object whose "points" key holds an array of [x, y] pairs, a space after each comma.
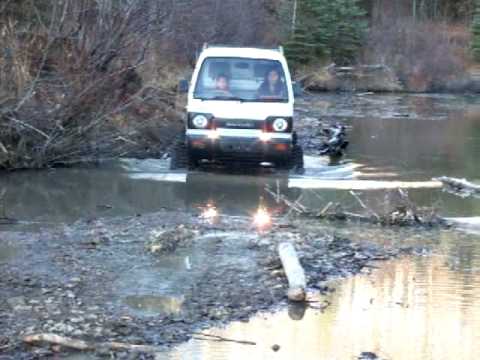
{"points": [[240, 109]]}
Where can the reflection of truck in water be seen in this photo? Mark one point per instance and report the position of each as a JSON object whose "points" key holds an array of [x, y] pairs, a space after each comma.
{"points": [[240, 108]]}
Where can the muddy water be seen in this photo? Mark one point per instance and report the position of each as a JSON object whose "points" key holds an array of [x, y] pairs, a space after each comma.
{"points": [[410, 138], [423, 308], [420, 308], [7, 251]]}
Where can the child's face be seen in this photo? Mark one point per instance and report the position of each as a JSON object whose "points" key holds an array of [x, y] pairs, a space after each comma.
{"points": [[222, 83]]}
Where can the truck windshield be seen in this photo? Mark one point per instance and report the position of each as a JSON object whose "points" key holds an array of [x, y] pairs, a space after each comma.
{"points": [[241, 79]]}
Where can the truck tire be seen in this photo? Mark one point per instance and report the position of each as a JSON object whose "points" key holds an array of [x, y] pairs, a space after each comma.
{"points": [[294, 162], [179, 157], [297, 163]]}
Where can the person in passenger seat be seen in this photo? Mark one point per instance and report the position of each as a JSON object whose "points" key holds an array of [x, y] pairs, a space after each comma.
{"points": [[222, 86], [272, 86]]}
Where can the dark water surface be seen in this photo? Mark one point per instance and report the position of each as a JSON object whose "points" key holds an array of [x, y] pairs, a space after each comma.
{"points": [[394, 137], [426, 307]]}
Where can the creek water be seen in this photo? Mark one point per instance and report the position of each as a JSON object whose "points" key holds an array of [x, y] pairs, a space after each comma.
{"points": [[425, 307]]}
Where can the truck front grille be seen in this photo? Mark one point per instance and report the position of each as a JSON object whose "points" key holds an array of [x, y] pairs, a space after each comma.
{"points": [[238, 124]]}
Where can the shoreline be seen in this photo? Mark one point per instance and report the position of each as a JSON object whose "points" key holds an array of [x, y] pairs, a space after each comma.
{"points": [[63, 295]]}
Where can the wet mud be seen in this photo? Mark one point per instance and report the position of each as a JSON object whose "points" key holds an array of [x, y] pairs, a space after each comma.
{"points": [[86, 280]]}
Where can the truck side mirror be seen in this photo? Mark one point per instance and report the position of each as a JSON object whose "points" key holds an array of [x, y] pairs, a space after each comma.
{"points": [[297, 89], [183, 86]]}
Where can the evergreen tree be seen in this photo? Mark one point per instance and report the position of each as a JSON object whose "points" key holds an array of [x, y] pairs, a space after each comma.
{"points": [[327, 29], [475, 46], [301, 47]]}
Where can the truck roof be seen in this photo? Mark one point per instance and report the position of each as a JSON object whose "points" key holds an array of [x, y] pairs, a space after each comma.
{"points": [[243, 52]]}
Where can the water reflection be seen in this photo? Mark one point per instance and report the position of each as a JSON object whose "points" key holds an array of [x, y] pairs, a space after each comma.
{"points": [[158, 284], [420, 308], [7, 251], [152, 304], [420, 149], [66, 195], [440, 136]]}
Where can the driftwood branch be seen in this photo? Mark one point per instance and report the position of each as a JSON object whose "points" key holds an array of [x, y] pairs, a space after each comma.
{"points": [[472, 223], [325, 209], [87, 346], [406, 213], [362, 204], [460, 186], [217, 338], [293, 205], [31, 127], [82, 345], [3, 148]]}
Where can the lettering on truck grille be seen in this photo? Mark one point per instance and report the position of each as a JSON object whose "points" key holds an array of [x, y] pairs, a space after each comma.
{"points": [[238, 124]]}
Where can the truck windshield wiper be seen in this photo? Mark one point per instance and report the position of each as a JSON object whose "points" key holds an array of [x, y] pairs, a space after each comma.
{"points": [[236, 98], [269, 100], [226, 98]]}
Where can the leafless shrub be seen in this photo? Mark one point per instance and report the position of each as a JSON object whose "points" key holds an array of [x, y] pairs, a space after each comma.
{"points": [[398, 210], [70, 82], [191, 23], [425, 55], [80, 79]]}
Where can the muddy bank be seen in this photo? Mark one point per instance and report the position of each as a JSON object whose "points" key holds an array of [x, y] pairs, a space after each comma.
{"points": [[382, 79], [89, 280]]}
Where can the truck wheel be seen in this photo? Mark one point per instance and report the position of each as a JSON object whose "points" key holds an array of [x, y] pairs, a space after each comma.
{"points": [[294, 162], [297, 159], [180, 158]]}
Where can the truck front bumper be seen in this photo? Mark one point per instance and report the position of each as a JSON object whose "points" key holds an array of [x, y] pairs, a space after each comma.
{"points": [[239, 145]]}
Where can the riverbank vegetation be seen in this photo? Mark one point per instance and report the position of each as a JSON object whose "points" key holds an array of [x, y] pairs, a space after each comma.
{"points": [[88, 79], [426, 45]]}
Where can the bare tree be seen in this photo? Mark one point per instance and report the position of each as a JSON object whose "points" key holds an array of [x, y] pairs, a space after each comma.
{"points": [[73, 71]]}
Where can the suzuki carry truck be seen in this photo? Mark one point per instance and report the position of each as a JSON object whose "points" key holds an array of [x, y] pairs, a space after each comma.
{"points": [[240, 109]]}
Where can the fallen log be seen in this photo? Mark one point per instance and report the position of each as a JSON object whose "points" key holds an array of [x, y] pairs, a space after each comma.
{"points": [[294, 272], [81, 345], [297, 310], [465, 223], [459, 186]]}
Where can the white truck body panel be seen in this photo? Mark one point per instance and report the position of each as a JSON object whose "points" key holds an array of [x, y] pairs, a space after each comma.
{"points": [[237, 109]]}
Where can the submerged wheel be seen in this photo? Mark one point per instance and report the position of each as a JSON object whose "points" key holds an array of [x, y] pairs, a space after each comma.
{"points": [[294, 162], [297, 163], [179, 157]]}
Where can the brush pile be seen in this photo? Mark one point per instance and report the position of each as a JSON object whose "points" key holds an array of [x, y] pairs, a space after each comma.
{"points": [[71, 88], [402, 211]]}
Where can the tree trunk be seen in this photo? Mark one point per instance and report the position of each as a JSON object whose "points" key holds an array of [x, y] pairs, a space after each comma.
{"points": [[294, 15]]}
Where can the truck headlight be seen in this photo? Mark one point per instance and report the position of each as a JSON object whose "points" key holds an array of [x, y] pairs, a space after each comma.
{"points": [[280, 125], [200, 121]]}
